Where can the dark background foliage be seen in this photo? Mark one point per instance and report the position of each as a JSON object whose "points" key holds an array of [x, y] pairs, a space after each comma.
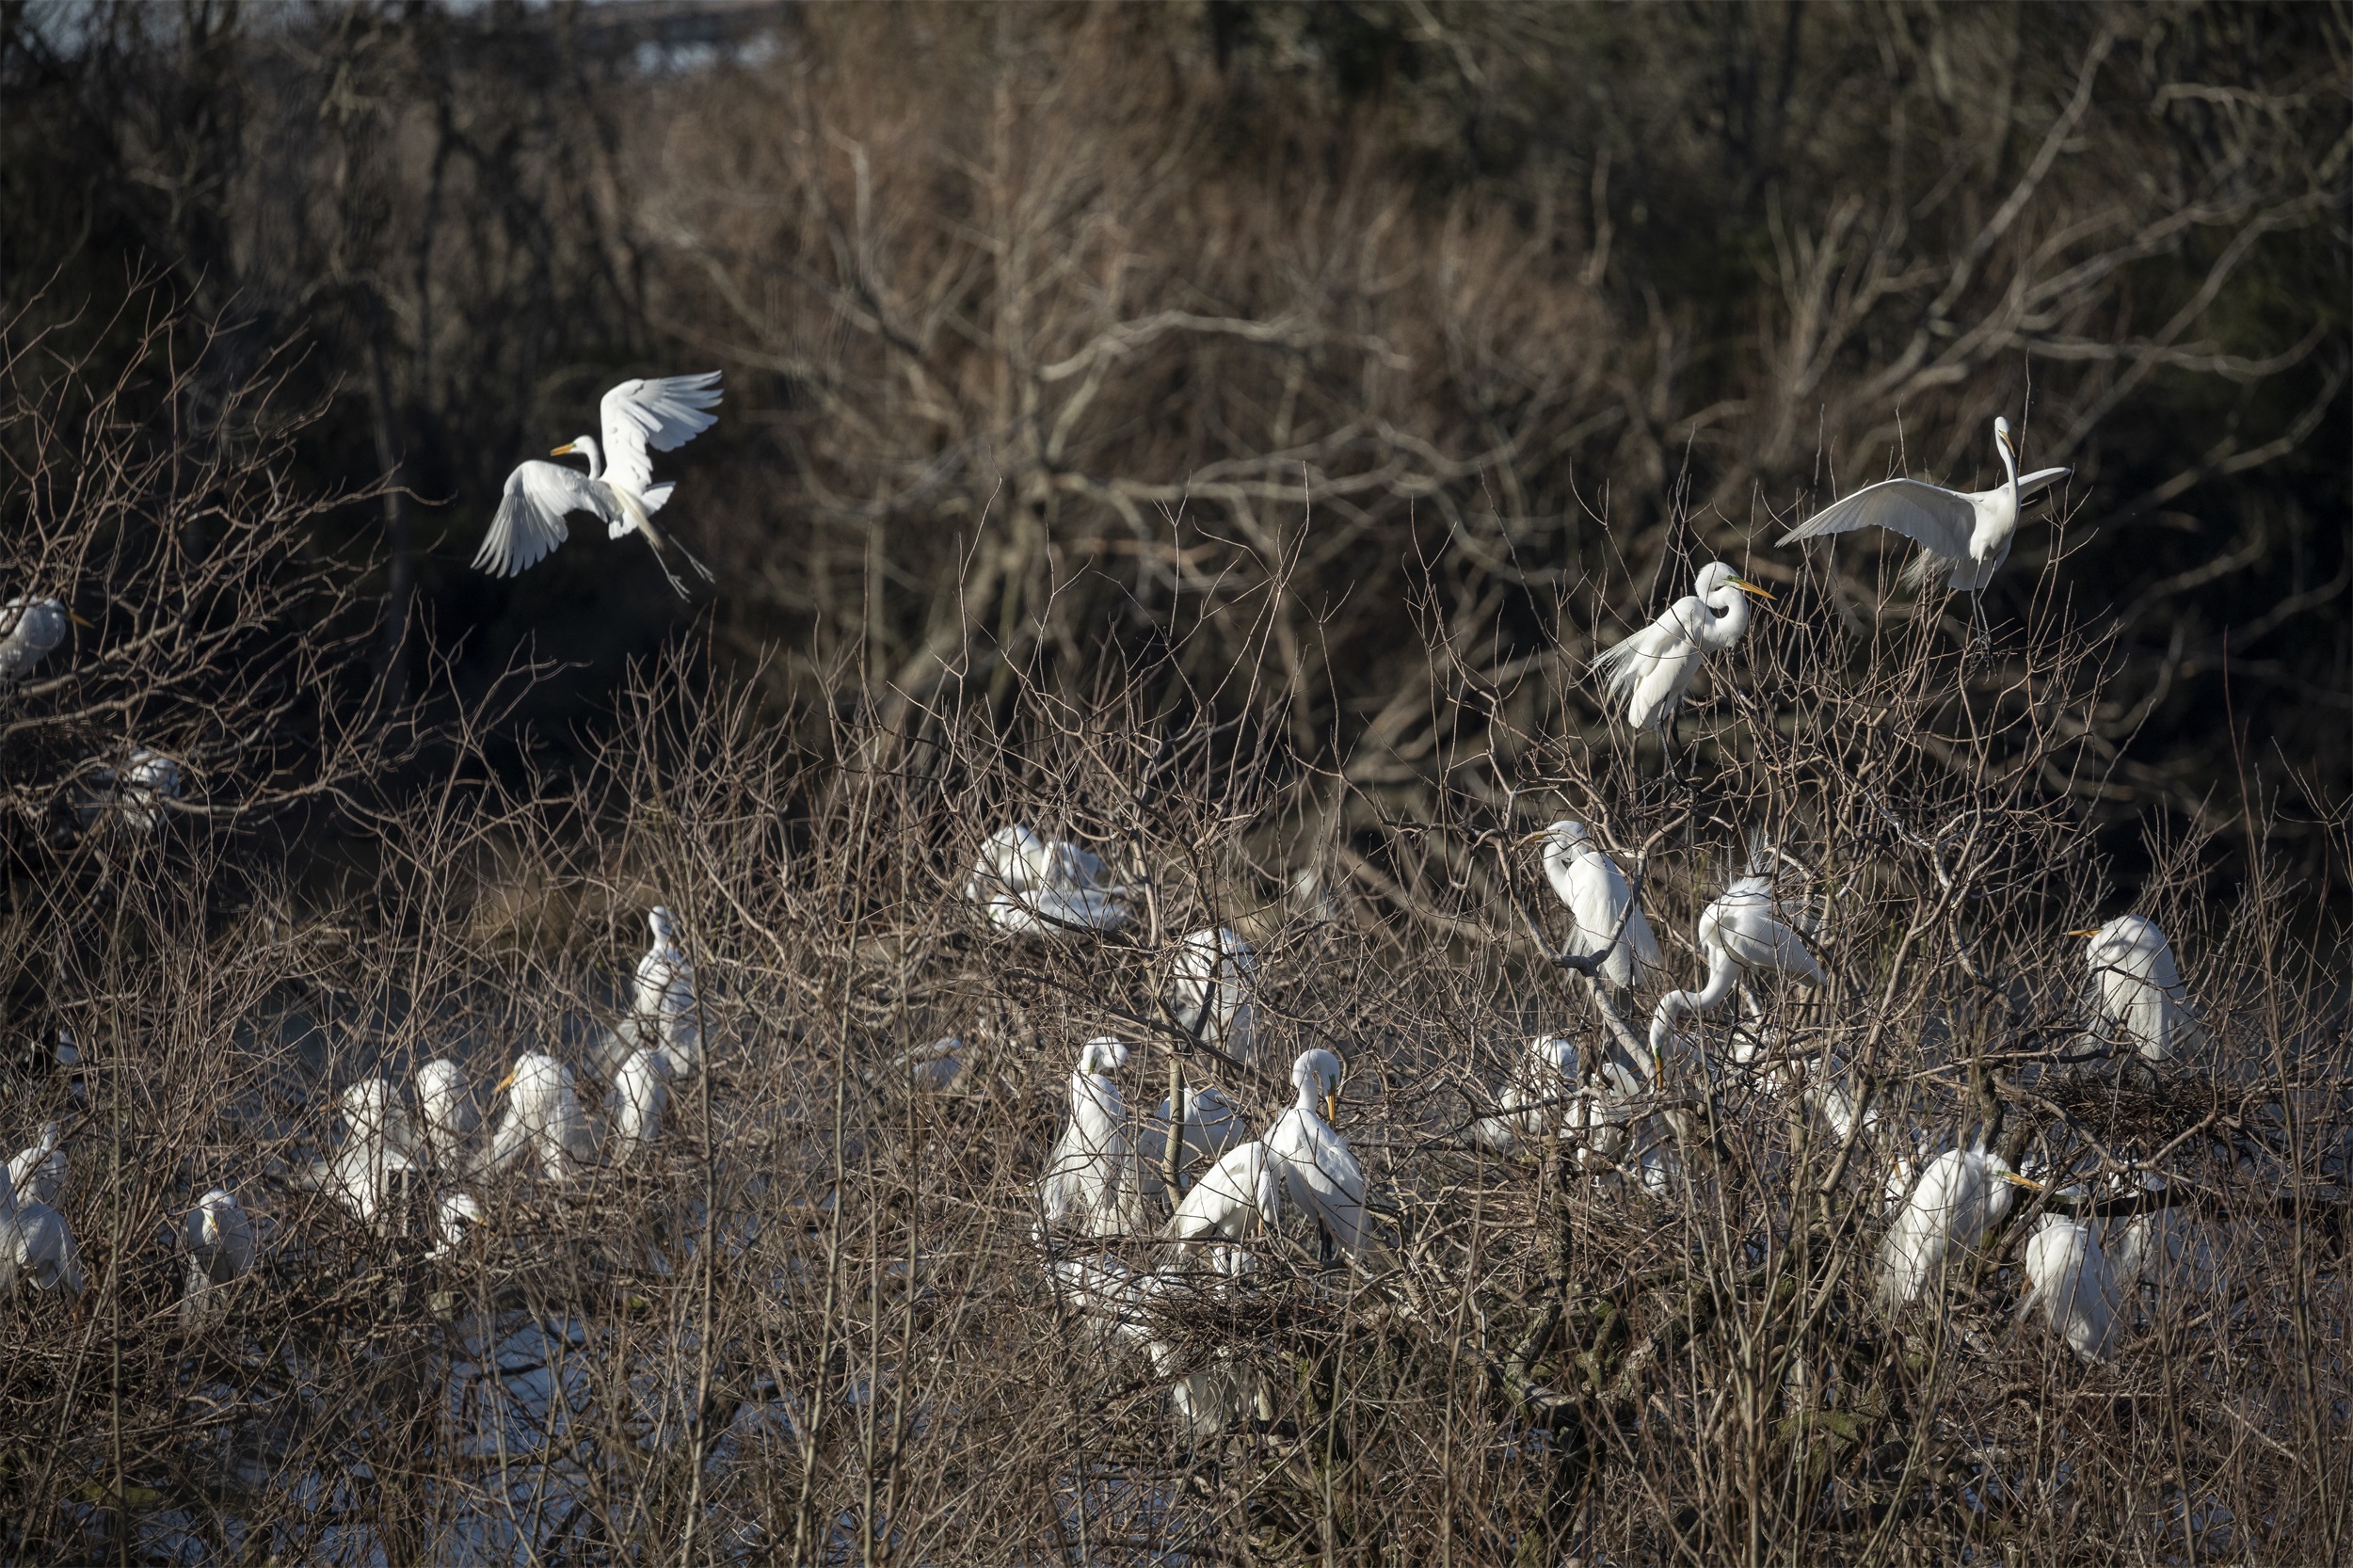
{"points": [[1291, 337]]}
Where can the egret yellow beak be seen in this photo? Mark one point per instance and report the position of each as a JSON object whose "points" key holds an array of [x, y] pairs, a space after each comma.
{"points": [[1747, 587], [2017, 1180], [2088, 931], [79, 621], [1332, 1107], [1536, 837], [506, 1080], [566, 450]]}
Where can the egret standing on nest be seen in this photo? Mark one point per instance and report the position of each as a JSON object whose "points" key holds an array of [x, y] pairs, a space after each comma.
{"points": [[1319, 1172], [2136, 990], [1652, 671], [451, 1118], [2069, 1278], [1602, 915], [1542, 1090], [638, 418], [1965, 533], [1961, 1194], [543, 1126]]}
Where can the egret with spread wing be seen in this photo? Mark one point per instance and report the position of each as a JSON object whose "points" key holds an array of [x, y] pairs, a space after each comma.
{"points": [[1967, 532], [1652, 671], [639, 418]]}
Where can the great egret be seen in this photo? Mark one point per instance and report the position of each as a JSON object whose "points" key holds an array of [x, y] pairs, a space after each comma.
{"points": [[451, 1118], [1319, 1172], [30, 630], [379, 1148], [1652, 671], [663, 1013], [1967, 532], [1029, 886], [143, 786], [1094, 1182], [1742, 932], [1213, 991], [220, 1250], [453, 1217], [2167, 1247], [2136, 990], [1542, 1093], [2069, 1279], [1213, 1126], [641, 1092], [36, 1244], [36, 1173], [544, 1128], [1602, 916], [638, 418], [1961, 1194], [1234, 1199]]}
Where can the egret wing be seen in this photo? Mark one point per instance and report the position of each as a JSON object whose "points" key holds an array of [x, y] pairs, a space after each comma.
{"points": [[530, 520], [2031, 484], [1622, 665], [653, 414], [1929, 515]]}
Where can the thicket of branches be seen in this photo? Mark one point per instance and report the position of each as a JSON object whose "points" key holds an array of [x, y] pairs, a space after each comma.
{"points": [[1044, 322]]}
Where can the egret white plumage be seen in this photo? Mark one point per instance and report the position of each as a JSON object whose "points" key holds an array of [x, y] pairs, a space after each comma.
{"points": [[2069, 1279], [30, 630], [1743, 933], [2137, 991], [378, 1151], [1094, 1182], [35, 1243], [37, 1172], [1652, 671], [451, 1118], [638, 418], [2169, 1247], [145, 785], [219, 1238], [1213, 1126], [1030, 885], [664, 1012], [1542, 1092], [1320, 1175], [1602, 916], [1235, 1199], [1961, 1194], [1965, 533], [1213, 991], [544, 1131], [452, 1218], [641, 1092]]}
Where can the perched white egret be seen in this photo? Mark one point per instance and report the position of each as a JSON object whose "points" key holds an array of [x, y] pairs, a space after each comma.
{"points": [[30, 630], [1652, 671], [1742, 932], [664, 1012], [1213, 991], [453, 1217], [639, 418], [1602, 916], [451, 1118], [36, 1244], [641, 1092], [1094, 1181], [220, 1250], [1213, 1126], [36, 1173], [2137, 991], [544, 1128], [1967, 532], [1319, 1174], [1234, 1199], [944, 1067], [1961, 1194], [144, 785], [2169, 1247], [378, 1151], [2069, 1279], [1542, 1094], [1029, 885]]}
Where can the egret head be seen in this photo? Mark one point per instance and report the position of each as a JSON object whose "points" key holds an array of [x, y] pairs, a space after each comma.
{"points": [[1568, 833], [1102, 1055], [1317, 1075], [587, 447], [1557, 1052], [2121, 938], [664, 924], [2001, 431], [1715, 577]]}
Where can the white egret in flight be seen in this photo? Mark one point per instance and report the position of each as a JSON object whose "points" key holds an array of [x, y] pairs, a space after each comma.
{"points": [[1212, 992], [2136, 990], [1542, 1093], [2068, 1277], [1650, 672], [1743, 933], [641, 1092], [36, 1173], [30, 630], [1319, 1172], [544, 1128], [220, 1250], [1967, 532], [1961, 1194], [639, 418], [1602, 915], [1029, 886], [1093, 1183], [450, 1116]]}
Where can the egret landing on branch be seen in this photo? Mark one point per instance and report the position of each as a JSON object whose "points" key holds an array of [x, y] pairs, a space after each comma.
{"points": [[1652, 671], [639, 418]]}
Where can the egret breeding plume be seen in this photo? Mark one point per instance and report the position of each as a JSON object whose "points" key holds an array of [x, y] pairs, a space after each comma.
{"points": [[2137, 991], [1319, 1172], [1029, 885], [30, 630], [1602, 915], [451, 1118], [1542, 1091], [544, 1131], [1650, 672], [1094, 1182], [1213, 992], [1744, 932], [2068, 1279], [219, 1237], [1235, 1199], [1961, 1195], [1966, 533], [638, 418]]}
